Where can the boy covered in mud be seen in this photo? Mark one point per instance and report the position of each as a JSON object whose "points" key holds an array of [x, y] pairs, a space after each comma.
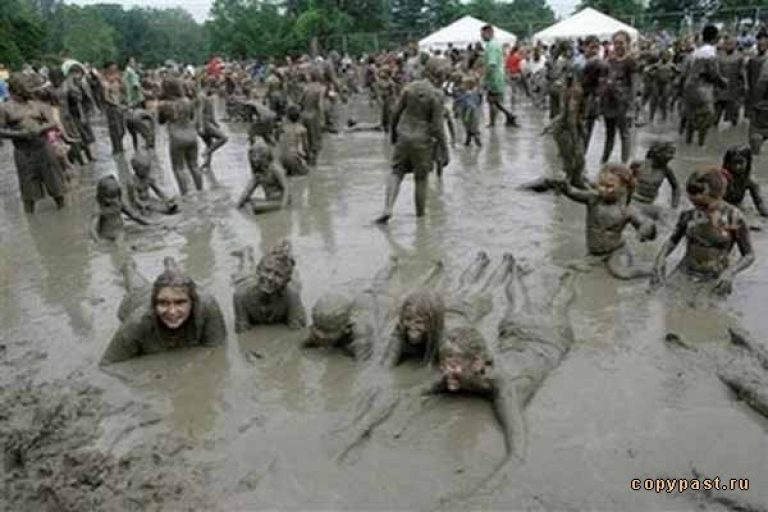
{"points": [[567, 129], [266, 294], [107, 220], [341, 324], [712, 228], [209, 129], [268, 176], [175, 316], [470, 107], [294, 144], [650, 174], [143, 185], [608, 214]]}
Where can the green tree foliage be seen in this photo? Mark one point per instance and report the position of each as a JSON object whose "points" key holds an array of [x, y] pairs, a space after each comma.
{"points": [[621, 9], [22, 33], [86, 36]]}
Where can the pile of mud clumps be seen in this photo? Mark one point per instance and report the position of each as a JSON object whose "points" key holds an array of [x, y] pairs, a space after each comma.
{"points": [[47, 433]]}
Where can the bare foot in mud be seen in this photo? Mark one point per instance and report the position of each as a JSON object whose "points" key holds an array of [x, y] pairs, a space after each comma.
{"points": [[383, 219]]}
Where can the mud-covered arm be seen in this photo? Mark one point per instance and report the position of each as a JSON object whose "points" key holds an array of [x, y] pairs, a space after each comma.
{"points": [[93, 228], [248, 192], [584, 196], [396, 115], [279, 173], [509, 413], [134, 216], [10, 133], [158, 191], [362, 340], [297, 315], [642, 224], [239, 302], [669, 174], [394, 351], [449, 124], [125, 344], [438, 126], [757, 198], [214, 328], [671, 244], [744, 243]]}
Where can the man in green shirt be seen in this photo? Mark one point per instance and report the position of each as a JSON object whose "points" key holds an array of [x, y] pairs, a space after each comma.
{"points": [[133, 92], [495, 82]]}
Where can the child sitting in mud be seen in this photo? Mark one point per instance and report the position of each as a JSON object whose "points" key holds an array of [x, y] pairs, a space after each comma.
{"points": [[107, 220], [267, 175], [712, 228], [294, 144], [267, 294], [738, 163], [608, 213], [143, 184]]}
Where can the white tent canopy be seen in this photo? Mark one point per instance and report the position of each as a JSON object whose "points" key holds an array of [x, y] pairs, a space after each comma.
{"points": [[587, 22], [462, 32]]}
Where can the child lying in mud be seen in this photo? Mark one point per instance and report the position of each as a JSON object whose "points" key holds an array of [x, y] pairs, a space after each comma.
{"points": [[266, 294], [142, 187], [168, 315], [608, 213], [711, 229], [531, 343]]}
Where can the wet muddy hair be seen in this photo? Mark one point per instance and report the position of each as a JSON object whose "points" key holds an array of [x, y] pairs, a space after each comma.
{"points": [[19, 85], [293, 113], [738, 152], [173, 277], [712, 181], [173, 88], [625, 175], [466, 343], [108, 186], [429, 305], [281, 255], [332, 312]]}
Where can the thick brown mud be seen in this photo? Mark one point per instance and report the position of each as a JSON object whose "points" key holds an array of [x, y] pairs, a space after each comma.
{"points": [[260, 423]]}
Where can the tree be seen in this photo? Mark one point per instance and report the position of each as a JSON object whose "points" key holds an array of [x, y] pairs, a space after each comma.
{"points": [[525, 17], [621, 9], [86, 36], [409, 17], [22, 33]]}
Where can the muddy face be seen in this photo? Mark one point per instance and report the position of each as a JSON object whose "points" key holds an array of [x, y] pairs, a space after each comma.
{"points": [[619, 46], [609, 187], [737, 165], [467, 373], [272, 277], [698, 194], [414, 326], [327, 335], [173, 306]]}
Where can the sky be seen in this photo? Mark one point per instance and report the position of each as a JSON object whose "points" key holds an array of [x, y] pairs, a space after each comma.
{"points": [[199, 8]]}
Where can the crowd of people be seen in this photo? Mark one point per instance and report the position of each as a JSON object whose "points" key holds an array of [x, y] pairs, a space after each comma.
{"points": [[422, 101]]}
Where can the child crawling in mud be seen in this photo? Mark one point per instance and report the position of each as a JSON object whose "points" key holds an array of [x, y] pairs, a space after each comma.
{"points": [[107, 220], [608, 213], [169, 314], [142, 187], [536, 339]]}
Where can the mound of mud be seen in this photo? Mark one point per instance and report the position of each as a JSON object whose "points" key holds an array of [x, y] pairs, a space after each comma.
{"points": [[47, 433]]}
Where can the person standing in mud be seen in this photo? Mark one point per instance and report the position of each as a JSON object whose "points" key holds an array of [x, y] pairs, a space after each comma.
{"points": [[114, 105], [712, 228], [592, 76], [728, 98], [701, 75], [650, 174], [267, 294], [25, 122], [134, 93], [754, 66], [757, 80], [312, 109], [418, 134], [386, 95], [210, 130], [76, 98], [737, 162], [567, 130], [662, 76], [140, 122], [175, 316], [180, 114], [495, 81], [618, 96], [294, 144]]}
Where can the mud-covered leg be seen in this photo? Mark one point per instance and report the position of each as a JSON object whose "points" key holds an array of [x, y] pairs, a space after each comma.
{"points": [[376, 409], [745, 371], [473, 271], [132, 279], [506, 268]]}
